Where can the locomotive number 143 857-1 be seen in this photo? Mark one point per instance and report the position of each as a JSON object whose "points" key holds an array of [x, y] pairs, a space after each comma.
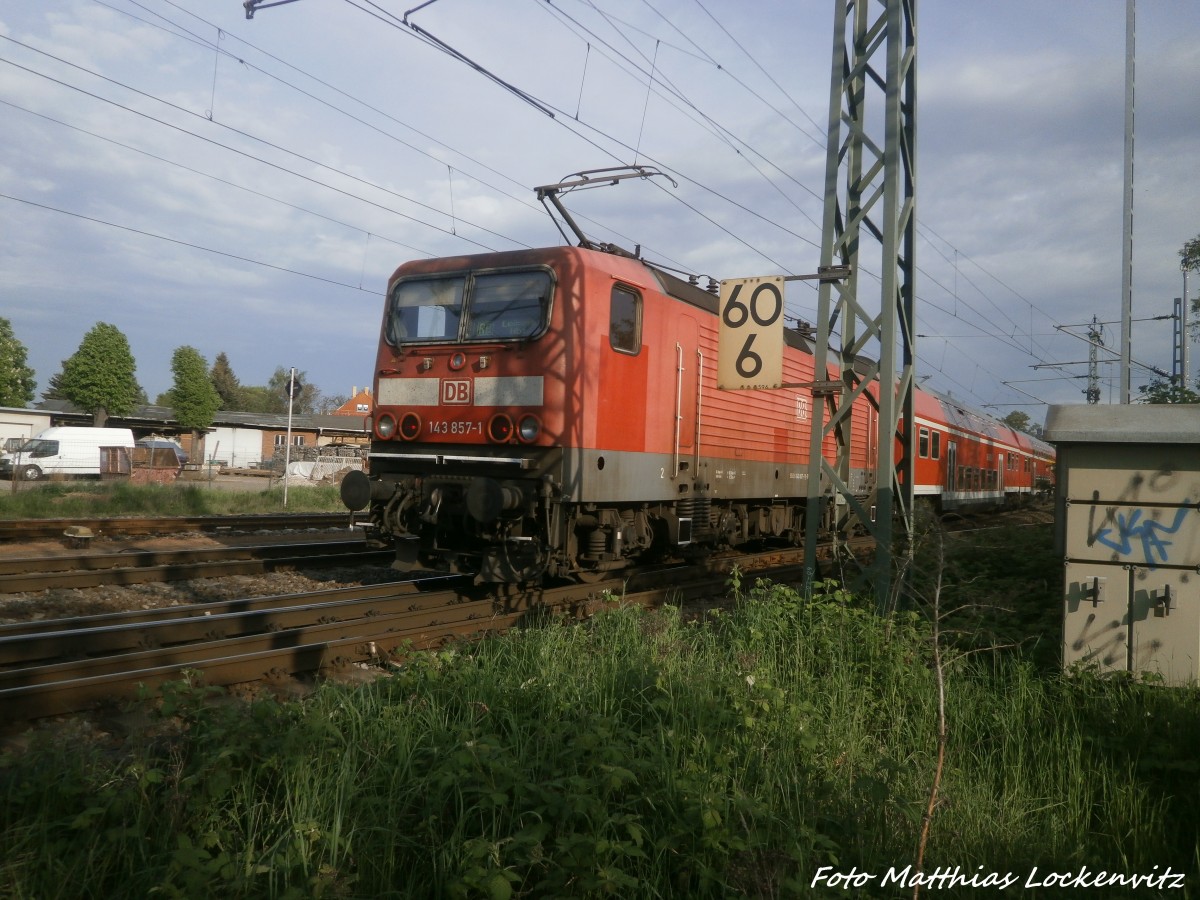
{"points": [[455, 426]]}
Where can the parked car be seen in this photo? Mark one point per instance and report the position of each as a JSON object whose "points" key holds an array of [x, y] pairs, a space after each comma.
{"points": [[158, 447], [63, 450]]}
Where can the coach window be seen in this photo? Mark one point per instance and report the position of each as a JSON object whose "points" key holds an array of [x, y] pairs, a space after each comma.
{"points": [[937, 445], [924, 442], [625, 320]]}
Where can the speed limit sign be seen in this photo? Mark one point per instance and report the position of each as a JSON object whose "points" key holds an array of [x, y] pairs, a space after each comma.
{"points": [[750, 338]]}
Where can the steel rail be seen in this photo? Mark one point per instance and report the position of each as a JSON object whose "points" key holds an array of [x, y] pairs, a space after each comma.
{"points": [[407, 624], [39, 529], [133, 617], [183, 565], [269, 614], [137, 557]]}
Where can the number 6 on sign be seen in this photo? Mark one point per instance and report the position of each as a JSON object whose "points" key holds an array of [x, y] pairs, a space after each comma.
{"points": [[750, 347]]}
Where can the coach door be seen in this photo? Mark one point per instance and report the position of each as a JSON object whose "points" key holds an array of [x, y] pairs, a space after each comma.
{"points": [[951, 465]]}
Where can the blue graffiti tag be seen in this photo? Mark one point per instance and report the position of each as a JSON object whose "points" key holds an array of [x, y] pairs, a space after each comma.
{"points": [[1147, 532]]}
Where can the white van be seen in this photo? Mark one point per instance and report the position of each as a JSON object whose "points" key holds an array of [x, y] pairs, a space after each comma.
{"points": [[63, 450]]}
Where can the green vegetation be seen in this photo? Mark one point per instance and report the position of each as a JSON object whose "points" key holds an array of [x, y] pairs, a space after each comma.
{"points": [[105, 499], [192, 396], [16, 377], [640, 754], [99, 376]]}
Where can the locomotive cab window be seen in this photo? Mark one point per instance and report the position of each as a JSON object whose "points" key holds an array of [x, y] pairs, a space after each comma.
{"points": [[429, 309], [625, 320], [508, 306], [491, 306]]}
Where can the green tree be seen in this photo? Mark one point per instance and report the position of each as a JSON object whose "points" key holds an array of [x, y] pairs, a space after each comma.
{"points": [[53, 389], [226, 383], [256, 399], [1190, 255], [310, 394], [193, 397], [1189, 261], [1167, 390], [1017, 420], [99, 376], [17, 385]]}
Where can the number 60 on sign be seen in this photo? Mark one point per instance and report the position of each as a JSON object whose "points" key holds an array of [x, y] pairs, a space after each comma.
{"points": [[750, 337]]}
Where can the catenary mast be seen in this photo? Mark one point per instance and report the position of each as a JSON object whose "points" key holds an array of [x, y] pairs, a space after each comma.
{"points": [[870, 200]]}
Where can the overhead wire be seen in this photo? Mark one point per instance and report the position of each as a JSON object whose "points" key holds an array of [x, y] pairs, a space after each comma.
{"points": [[182, 243], [217, 178], [689, 206], [340, 110], [723, 134], [565, 122], [651, 81], [244, 134], [818, 139], [821, 129]]}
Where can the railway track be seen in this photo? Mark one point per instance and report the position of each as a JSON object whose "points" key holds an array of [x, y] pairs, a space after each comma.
{"points": [[47, 529], [84, 570], [53, 667], [50, 667]]}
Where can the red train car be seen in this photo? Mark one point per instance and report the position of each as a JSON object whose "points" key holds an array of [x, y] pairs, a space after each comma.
{"points": [[555, 412], [964, 458]]}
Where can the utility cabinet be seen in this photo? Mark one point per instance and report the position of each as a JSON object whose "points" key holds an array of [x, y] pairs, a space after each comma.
{"points": [[1128, 526]]}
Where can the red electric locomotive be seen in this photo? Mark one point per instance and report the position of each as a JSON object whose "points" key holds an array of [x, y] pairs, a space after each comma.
{"points": [[555, 412]]}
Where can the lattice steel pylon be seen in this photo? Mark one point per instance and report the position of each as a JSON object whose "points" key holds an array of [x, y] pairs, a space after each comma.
{"points": [[870, 192]]}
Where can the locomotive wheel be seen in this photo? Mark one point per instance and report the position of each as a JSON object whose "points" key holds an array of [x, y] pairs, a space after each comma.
{"points": [[591, 576], [31, 473]]}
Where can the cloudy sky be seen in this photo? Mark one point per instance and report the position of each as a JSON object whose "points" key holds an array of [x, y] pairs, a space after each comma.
{"points": [[247, 187]]}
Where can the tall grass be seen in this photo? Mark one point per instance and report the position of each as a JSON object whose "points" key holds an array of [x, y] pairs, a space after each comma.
{"points": [[637, 755], [92, 499]]}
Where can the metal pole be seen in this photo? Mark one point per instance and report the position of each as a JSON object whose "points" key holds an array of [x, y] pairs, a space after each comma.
{"points": [[287, 448], [1185, 348], [874, 59], [1095, 340], [1127, 217]]}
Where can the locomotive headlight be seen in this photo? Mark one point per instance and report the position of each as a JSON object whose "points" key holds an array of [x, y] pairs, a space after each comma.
{"points": [[410, 426], [529, 428], [385, 427], [500, 428], [457, 361]]}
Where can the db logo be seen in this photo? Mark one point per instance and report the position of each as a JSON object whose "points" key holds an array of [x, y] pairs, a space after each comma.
{"points": [[456, 393]]}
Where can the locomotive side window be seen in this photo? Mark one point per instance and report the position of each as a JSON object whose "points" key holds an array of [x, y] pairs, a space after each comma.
{"points": [[508, 305], [937, 445], [426, 310], [625, 320], [924, 443]]}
